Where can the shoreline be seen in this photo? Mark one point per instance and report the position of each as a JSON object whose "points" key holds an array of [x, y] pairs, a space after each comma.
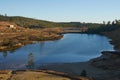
{"points": [[77, 67], [96, 72], [9, 48], [38, 75], [17, 36]]}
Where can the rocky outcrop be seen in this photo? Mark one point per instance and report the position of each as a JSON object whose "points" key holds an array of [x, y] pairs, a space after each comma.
{"points": [[108, 60]]}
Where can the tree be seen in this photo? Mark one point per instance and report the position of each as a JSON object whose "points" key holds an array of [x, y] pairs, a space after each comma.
{"points": [[5, 54], [30, 64], [113, 23], [108, 23], [116, 21], [5, 42], [83, 73], [5, 14], [104, 22]]}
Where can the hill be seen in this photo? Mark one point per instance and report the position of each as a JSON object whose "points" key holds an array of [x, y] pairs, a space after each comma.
{"points": [[13, 36], [27, 22], [35, 23]]}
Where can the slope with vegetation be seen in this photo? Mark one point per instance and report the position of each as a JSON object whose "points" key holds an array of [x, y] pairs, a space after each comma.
{"points": [[35, 23], [109, 29], [13, 36], [21, 34], [104, 27]]}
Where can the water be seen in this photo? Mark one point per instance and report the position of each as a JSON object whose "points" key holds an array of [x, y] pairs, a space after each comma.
{"points": [[71, 48]]}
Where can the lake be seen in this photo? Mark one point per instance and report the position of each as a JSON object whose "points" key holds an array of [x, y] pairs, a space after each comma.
{"points": [[71, 48]]}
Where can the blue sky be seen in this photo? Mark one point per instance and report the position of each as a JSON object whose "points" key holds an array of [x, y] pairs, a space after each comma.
{"points": [[63, 10]]}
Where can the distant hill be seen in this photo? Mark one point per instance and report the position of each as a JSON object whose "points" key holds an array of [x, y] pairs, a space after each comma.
{"points": [[28, 22], [35, 23]]}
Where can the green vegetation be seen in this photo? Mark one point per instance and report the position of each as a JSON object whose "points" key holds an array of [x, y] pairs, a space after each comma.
{"points": [[105, 27], [27, 22], [8, 42], [115, 38], [35, 23], [83, 73], [111, 29], [10, 39], [5, 42]]}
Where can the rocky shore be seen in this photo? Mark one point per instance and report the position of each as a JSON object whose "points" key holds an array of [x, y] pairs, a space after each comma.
{"points": [[105, 67], [108, 60]]}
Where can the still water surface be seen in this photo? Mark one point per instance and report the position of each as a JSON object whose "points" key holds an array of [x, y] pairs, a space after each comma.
{"points": [[71, 48]]}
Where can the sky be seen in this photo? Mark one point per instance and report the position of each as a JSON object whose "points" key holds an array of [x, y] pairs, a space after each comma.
{"points": [[95, 11]]}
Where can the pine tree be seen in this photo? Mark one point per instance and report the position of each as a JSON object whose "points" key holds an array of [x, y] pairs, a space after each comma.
{"points": [[83, 73]]}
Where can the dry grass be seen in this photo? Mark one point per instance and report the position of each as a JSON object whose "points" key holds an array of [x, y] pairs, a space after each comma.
{"points": [[23, 36], [31, 75], [5, 74], [37, 75]]}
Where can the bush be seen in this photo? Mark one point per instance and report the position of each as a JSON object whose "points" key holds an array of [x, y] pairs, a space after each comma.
{"points": [[83, 73], [5, 42]]}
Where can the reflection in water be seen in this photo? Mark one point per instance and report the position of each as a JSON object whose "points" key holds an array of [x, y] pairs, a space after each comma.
{"points": [[71, 48], [5, 54], [30, 64], [42, 45], [12, 51]]}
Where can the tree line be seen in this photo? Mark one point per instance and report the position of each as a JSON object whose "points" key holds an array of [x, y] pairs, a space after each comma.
{"points": [[35, 23], [105, 27]]}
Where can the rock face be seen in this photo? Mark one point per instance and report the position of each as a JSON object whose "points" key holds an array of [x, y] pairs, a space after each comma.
{"points": [[108, 60]]}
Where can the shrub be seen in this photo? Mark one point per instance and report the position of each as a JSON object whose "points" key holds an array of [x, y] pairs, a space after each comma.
{"points": [[83, 73], [5, 42]]}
